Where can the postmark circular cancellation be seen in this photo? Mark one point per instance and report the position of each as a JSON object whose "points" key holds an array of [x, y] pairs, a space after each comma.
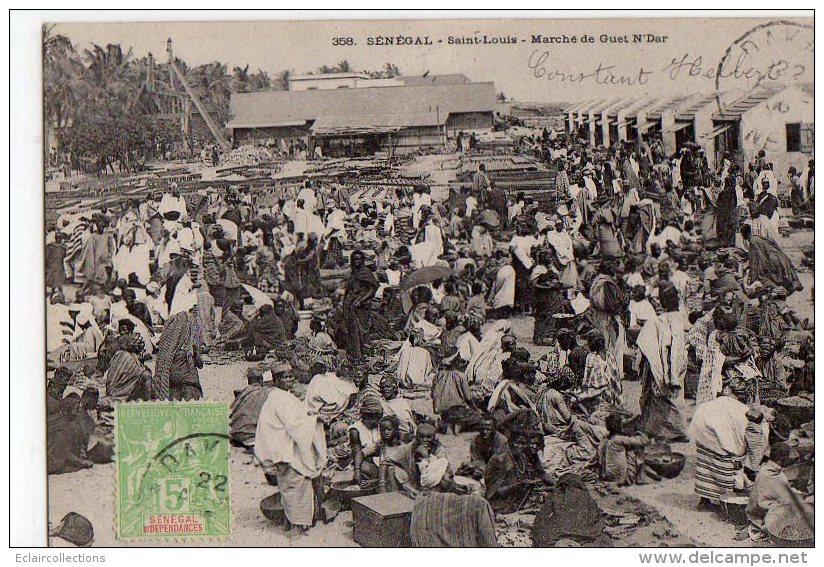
{"points": [[778, 51]]}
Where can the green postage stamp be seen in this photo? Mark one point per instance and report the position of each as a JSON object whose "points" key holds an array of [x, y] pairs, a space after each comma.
{"points": [[172, 470]]}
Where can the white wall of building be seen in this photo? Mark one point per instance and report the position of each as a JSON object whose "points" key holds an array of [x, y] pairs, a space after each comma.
{"points": [[765, 127]]}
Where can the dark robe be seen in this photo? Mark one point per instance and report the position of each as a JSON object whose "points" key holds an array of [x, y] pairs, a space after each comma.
{"points": [[726, 217], [770, 265], [360, 289]]}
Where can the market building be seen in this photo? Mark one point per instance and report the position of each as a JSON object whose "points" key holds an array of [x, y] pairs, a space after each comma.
{"points": [[363, 121], [776, 118]]}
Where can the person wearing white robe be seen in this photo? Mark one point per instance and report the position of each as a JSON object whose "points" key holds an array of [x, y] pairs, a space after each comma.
{"points": [[310, 200], [328, 395], [481, 242], [290, 442], [522, 246], [503, 290], [414, 363], [561, 242]]}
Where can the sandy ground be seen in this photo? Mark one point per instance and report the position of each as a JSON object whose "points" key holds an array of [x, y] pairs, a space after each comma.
{"points": [[91, 492]]}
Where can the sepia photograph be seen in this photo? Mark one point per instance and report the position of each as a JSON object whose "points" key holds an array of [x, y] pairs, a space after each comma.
{"points": [[429, 282]]}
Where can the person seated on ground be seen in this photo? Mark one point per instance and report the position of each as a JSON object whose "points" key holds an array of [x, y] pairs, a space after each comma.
{"points": [[452, 520], [602, 380], [387, 451], [414, 361], [513, 475], [245, 409], [570, 517], [320, 340], [514, 391], [327, 395], [364, 435], [55, 388], [288, 316], [450, 303], [451, 395], [488, 443], [137, 309], [263, 333], [453, 330], [771, 488], [476, 305], [396, 405], [421, 464], [127, 378], [620, 456], [67, 440]]}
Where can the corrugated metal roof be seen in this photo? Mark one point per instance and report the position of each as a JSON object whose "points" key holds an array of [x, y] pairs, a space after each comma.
{"points": [[640, 109], [278, 124], [671, 104], [288, 106], [688, 113], [735, 109], [386, 122], [624, 104]]}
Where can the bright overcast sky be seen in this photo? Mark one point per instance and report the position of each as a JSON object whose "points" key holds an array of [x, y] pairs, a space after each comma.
{"points": [[303, 46]]}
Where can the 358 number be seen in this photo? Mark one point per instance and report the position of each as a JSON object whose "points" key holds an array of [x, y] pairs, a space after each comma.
{"points": [[343, 41]]}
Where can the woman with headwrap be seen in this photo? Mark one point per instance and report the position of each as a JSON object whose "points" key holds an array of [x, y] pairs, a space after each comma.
{"points": [[363, 436], [178, 359], [512, 476], [484, 370], [662, 343], [360, 289], [765, 212], [606, 312]]}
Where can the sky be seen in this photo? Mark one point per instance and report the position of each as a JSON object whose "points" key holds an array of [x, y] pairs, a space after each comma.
{"points": [[611, 66]]}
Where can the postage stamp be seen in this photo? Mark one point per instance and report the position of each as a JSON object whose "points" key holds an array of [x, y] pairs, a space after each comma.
{"points": [[172, 470]]}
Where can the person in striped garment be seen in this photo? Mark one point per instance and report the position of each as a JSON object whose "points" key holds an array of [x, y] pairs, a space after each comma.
{"points": [[719, 430]]}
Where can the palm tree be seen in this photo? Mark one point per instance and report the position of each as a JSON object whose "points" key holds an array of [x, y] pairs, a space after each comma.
{"points": [[260, 81], [109, 79], [390, 70], [240, 79], [282, 80], [343, 67]]}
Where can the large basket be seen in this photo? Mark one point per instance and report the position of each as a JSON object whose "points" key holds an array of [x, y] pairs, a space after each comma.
{"points": [[787, 528], [798, 415]]}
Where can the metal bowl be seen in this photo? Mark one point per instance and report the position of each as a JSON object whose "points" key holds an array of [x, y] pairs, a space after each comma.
{"points": [[668, 465]]}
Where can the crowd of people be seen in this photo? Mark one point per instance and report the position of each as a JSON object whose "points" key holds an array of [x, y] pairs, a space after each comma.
{"points": [[643, 266]]}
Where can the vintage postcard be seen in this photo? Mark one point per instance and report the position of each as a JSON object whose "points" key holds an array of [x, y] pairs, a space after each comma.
{"points": [[514, 282]]}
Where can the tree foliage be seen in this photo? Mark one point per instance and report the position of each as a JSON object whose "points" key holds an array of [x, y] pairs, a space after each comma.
{"points": [[101, 105]]}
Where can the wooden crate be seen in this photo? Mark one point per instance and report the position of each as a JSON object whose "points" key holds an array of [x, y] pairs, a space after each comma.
{"points": [[382, 520]]}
